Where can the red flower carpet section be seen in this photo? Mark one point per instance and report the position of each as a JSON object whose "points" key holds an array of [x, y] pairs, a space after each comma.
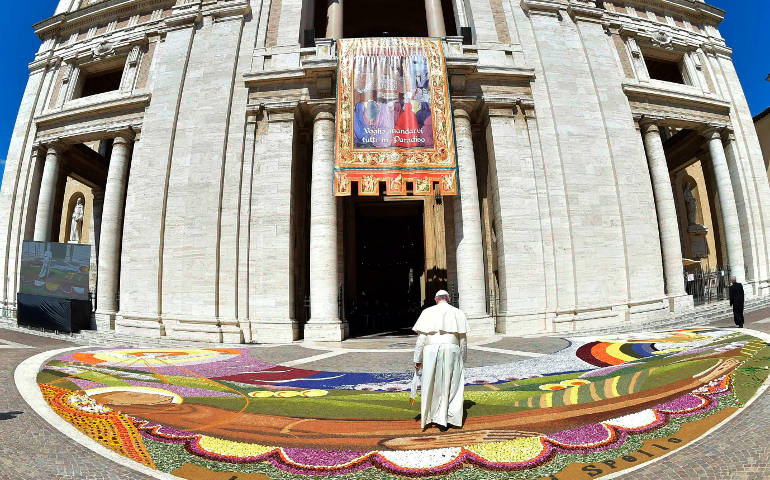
{"points": [[599, 406]]}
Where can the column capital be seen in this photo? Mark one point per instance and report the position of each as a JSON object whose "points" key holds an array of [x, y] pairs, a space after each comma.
{"points": [[713, 131], [461, 111], [53, 146], [464, 106], [123, 136], [322, 111], [650, 123], [38, 150]]}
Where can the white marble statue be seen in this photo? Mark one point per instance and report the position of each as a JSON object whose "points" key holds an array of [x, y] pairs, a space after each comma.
{"points": [[77, 222]]}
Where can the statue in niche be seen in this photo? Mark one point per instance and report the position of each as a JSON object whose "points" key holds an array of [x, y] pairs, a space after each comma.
{"points": [[77, 222], [691, 203], [697, 233]]}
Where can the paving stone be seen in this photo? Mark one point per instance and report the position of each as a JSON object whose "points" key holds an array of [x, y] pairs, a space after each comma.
{"points": [[30, 448], [544, 345]]}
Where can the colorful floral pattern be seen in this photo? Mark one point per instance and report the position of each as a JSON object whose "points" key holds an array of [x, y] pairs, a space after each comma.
{"points": [[228, 411]]}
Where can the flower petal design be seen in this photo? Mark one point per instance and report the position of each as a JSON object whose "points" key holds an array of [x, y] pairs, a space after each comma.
{"points": [[512, 451], [422, 459], [636, 421], [229, 448]]}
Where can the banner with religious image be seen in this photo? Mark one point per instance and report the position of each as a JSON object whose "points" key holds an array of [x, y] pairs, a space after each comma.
{"points": [[394, 120]]}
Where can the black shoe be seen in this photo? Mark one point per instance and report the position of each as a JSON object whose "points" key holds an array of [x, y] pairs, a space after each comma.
{"points": [[442, 428]]}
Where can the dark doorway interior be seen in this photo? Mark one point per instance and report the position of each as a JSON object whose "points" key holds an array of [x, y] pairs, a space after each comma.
{"points": [[390, 259], [385, 18]]}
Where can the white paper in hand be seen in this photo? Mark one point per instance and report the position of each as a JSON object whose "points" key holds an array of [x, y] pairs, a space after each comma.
{"points": [[415, 385]]}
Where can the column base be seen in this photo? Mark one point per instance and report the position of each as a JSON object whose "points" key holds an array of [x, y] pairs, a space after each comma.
{"points": [[213, 330], [274, 332], [481, 327], [326, 331], [139, 325], [680, 303], [105, 320]]}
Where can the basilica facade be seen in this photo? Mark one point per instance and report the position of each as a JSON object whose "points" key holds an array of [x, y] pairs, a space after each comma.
{"points": [[602, 148]]}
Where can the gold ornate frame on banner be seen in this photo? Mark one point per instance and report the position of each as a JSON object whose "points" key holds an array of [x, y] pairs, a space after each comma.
{"points": [[381, 83]]}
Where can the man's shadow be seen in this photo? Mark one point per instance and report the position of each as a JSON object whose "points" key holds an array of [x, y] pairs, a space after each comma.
{"points": [[9, 415]]}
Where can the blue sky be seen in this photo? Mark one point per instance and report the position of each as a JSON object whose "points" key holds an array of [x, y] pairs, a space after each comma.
{"points": [[745, 29]]}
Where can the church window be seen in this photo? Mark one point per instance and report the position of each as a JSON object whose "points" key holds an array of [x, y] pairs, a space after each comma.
{"points": [[94, 81], [665, 69]]}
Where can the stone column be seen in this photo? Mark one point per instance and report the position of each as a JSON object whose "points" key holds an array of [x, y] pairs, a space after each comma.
{"points": [[673, 272], [324, 323], [334, 19], [467, 220], [33, 196], [96, 221], [47, 197], [733, 157], [98, 205], [111, 231], [732, 227], [435, 17]]}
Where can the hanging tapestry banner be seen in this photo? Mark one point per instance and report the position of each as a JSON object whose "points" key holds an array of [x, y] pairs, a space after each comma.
{"points": [[394, 120]]}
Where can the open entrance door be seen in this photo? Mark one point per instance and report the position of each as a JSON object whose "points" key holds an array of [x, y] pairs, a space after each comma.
{"points": [[390, 263]]}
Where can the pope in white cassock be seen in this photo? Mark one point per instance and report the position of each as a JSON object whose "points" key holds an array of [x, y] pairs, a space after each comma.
{"points": [[440, 351]]}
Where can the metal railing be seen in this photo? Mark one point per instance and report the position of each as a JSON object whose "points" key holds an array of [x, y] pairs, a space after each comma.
{"points": [[706, 285]]}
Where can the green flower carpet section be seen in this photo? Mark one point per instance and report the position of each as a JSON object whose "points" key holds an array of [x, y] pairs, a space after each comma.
{"points": [[599, 406]]}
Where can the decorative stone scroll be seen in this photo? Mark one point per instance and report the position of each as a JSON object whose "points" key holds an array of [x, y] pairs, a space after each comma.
{"points": [[394, 122]]}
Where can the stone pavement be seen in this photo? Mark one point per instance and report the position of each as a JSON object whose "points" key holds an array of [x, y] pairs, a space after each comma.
{"points": [[738, 451], [32, 449]]}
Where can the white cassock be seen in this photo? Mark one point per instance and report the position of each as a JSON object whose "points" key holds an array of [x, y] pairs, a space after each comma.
{"points": [[441, 348]]}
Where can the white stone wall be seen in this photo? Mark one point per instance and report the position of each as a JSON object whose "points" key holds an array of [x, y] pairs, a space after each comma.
{"points": [[207, 237]]}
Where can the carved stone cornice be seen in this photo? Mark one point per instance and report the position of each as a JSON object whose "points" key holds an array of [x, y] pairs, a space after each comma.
{"points": [[183, 15], [543, 7], [675, 108], [86, 109], [49, 60], [505, 108], [101, 12], [717, 49], [692, 9], [582, 10], [281, 111], [223, 10]]}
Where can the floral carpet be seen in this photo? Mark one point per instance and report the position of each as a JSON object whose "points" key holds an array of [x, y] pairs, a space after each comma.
{"points": [[599, 406]]}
